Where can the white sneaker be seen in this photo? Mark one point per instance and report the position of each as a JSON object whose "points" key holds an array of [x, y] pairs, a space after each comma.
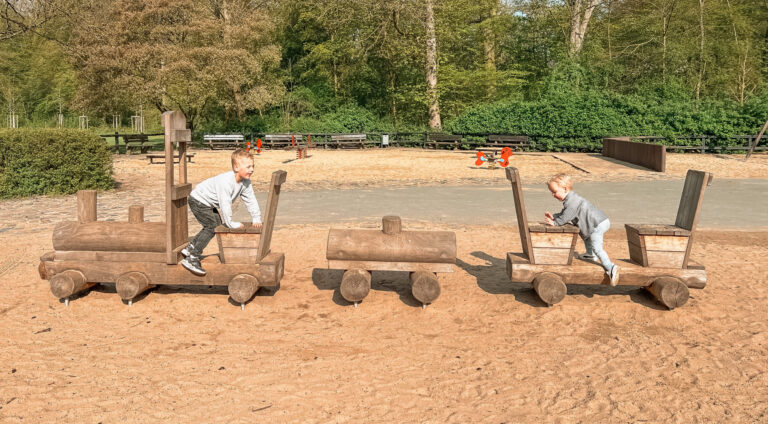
{"points": [[614, 274], [586, 257], [192, 264], [187, 250]]}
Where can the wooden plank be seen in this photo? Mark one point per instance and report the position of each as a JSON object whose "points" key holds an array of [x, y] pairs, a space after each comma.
{"points": [[519, 269], [239, 255], [405, 246], [278, 177], [662, 259], [390, 266], [181, 136], [652, 156], [176, 232], [108, 256], [239, 240], [269, 271], [561, 240], [513, 175], [180, 191], [688, 215], [86, 206], [637, 254], [108, 236], [552, 255], [668, 243]]}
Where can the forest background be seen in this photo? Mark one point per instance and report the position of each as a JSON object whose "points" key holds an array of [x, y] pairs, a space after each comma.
{"points": [[577, 68]]}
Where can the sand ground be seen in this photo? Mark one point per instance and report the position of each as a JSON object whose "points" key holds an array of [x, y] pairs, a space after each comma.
{"points": [[486, 351]]}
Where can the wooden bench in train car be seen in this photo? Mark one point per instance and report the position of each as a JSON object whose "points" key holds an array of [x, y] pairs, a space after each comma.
{"points": [[343, 141], [422, 253], [548, 264], [135, 142], [436, 140], [281, 141], [669, 246], [514, 142], [161, 157], [223, 141]]}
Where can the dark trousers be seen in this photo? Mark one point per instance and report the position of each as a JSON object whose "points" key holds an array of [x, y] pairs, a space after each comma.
{"points": [[209, 218]]}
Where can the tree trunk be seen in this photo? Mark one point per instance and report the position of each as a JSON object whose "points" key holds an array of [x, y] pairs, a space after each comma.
{"points": [[701, 50], [581, 12], [434, 105], [489, 49]]}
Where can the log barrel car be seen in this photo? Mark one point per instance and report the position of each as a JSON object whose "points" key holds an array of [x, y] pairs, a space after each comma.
{"points": [[659, 253], [138, 255]]}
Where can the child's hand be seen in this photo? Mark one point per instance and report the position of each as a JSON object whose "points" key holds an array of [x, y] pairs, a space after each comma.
{"points": [[549, 215], [257, 225]]}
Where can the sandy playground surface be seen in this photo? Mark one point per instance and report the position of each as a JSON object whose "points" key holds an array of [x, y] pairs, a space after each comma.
{"points": [[486, 351]]}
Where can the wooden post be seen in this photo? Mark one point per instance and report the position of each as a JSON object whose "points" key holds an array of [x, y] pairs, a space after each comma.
{"points": [[355, 284], [278, 178], [86, 206], [132, 284], [242, 287], [135, 214], [550, 287], [424, 286], [67, 283], [669, 291], [391, 224]]}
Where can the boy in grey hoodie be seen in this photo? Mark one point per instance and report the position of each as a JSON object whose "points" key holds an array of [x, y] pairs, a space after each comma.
{"points": [[591, 221]]}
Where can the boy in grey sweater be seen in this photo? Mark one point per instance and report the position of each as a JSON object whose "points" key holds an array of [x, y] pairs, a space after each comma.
{"points": [[211, 203], [591, 221]]}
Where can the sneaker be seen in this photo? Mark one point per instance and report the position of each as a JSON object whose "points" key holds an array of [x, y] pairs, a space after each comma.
{"points": [[187, 250], [586, 257], [192, 264], [614, 274]]}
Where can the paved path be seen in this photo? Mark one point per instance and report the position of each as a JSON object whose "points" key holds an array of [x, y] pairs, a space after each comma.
{"points": [[728, 204]]}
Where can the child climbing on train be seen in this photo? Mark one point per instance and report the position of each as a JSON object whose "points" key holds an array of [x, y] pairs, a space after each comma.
{"points": [[211, 203], [592, 222]]}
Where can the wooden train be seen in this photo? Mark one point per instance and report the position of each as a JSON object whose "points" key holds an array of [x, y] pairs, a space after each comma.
{"points": [[422, 253], [659, 253], [138, 255]]}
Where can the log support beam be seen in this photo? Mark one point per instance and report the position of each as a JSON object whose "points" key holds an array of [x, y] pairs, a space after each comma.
{"points": [[67, 283], [355, 285], [425, 287]]}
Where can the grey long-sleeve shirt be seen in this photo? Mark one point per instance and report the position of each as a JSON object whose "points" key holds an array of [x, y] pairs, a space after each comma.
{"points": [[581, 213], [220, 191]]}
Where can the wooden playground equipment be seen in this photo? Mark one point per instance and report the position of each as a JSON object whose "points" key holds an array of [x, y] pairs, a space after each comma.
{"points": [[659, 254], [138, 255], [422, 253]]}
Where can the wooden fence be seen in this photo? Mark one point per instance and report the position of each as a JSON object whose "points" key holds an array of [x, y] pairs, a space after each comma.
{"points": [[652, 156]]}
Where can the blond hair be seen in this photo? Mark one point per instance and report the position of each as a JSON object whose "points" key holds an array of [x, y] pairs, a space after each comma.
{"points": [[240, 154], [563, 180]]}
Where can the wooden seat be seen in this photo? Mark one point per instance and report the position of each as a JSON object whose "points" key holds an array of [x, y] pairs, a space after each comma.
{"points": [[282, 141], [514, 142], [436, 140], [223, 141], [341, 141], [136, 141], [669, 246], [542, 244]]}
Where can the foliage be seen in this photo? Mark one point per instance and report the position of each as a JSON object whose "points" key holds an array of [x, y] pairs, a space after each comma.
{"points": [[52, 161]]}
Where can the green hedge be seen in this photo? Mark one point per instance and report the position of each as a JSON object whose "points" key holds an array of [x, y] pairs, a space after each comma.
{"points": [[52, 161]]}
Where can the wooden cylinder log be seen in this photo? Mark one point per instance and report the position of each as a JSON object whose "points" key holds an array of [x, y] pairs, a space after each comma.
{"points": [[86, 206], [132, 284], [67, 283], [405, 246], [355, 284], [135, 214], [550, 287], [669, 291], [242, 287], [424, 286], [110, 236], [391, 224]]}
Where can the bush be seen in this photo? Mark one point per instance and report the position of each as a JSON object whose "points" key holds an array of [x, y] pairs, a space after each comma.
{"points": [[52, 161]]}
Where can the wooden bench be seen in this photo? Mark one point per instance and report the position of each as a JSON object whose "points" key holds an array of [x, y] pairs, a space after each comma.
{"points": [[153, 156], [342, 141], [436, 140], [514, 142], [542, 244], [669, 246], [136, 142], [281, 141], [223, 141]]}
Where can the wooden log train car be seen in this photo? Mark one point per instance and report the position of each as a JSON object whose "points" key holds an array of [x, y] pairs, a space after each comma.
{"points": [[138, 255], [659, 254], [422, 253]]}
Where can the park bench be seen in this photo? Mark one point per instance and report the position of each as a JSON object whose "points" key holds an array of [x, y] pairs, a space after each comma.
{"points": [[135, 142], [281, 141], [669, 246], [514, 142], [223, 141], [161, 156], [542, 244], [436, 140], [341, 141]]}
